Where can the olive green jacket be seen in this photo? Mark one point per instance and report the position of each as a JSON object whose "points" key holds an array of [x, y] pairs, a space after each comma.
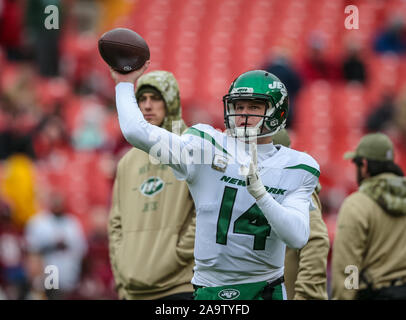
{"points": [[306, 269], [152, 217], [370, 238]]}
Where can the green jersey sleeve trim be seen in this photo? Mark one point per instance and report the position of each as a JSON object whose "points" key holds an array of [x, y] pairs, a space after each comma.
{"points": [[206, 136], [307, 168]]}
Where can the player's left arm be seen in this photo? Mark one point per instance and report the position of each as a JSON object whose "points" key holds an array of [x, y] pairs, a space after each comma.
{"points": [[290, 219]]}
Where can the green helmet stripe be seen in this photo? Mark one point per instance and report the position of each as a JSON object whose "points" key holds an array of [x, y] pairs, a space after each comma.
{"points": [[284, 95]]}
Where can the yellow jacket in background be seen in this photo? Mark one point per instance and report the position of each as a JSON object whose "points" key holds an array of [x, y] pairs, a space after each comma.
{"points": [[18, 187]]}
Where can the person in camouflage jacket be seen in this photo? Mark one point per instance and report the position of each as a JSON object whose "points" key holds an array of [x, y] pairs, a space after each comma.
{"points": [[152, 217], [369, 252]]}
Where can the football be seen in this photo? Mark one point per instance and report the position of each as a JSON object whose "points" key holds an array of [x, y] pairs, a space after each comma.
{"points": [[123, 49]]}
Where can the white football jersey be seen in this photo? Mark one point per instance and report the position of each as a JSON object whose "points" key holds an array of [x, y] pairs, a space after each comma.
{"points": [[234, 241]]}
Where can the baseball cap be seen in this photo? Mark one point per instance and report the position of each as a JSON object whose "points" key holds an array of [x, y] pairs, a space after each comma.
{"points": [[373, 146]]}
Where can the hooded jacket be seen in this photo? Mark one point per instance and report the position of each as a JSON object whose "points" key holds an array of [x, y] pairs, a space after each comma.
{"points": [[306, 269], [167, 85], [369, 246], [152, 218]]}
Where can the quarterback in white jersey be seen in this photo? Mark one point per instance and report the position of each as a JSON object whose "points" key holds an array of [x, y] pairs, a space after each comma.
{"points": [[251, 200]]}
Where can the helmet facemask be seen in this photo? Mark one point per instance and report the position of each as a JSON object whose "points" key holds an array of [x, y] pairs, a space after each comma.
{"points": [[261, 129]]}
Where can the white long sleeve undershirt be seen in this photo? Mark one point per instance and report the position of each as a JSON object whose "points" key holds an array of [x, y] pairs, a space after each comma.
{"points": [[291, 224], [136, 130]]}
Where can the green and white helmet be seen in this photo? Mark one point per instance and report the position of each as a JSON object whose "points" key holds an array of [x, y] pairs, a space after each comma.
{"points": [[257, 85]]}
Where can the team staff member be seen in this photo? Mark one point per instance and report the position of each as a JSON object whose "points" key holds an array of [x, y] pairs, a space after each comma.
{"points": [[306, 268], [370, 239], [152, 219]]}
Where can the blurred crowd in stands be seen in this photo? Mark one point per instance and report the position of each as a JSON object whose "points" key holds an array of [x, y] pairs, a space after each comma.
{"points": [[58, 130], [60, 140]]}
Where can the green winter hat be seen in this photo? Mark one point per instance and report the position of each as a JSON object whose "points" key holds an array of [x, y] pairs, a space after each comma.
{"points": [[373, 146]]}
